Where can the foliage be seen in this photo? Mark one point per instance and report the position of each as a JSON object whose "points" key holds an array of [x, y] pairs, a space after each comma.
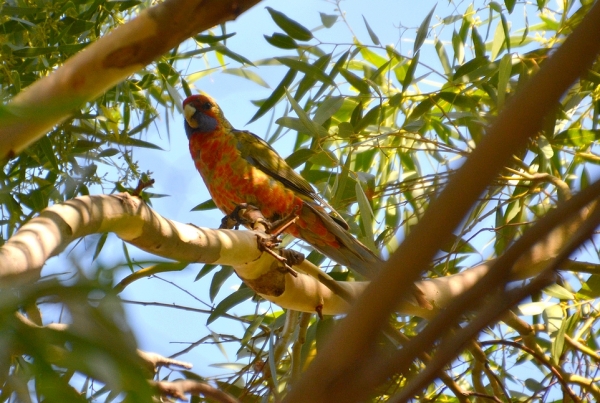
{"points": [[378, 132]]}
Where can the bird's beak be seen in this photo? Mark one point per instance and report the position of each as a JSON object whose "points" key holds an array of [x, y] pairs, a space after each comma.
{"points": [[188, 112]]}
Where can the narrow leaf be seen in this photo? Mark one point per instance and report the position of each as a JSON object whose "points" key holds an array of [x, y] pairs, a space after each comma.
{"points": [[422, 31], [281, 41], [207, 205], [247, 74], [275, 95], [229, 302], [372, 34], [366, 214], [46, 146], [355, 81], [218, 279], [410, 73], [306, 68], [100, 245], [504, 71], [289, 26], [312, 128]]}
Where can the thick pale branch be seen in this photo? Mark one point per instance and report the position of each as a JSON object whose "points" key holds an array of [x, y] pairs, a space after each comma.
{"points": [[105, 63], [22, 257]]}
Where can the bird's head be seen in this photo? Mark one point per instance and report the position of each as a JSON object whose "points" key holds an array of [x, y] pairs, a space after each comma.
{"points": [[202, 115]]}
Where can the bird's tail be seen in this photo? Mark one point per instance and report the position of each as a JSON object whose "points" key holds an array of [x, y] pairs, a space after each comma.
{"points": [[326, 235]]}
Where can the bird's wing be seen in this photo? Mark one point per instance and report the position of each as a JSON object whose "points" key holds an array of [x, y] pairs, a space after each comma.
{"points": [[260, 153]]}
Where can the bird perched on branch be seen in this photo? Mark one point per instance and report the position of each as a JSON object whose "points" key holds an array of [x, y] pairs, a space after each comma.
{"points": [[239, 167]]}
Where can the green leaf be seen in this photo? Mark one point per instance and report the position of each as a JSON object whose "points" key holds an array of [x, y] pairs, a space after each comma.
{"points": [[366, 215], [470, 66], [497, 42], [478, 43], [558, 344], [247, 74], [371, 117], [553, 316], [545, 147], [207, 268], [212, 38], [372, 34], [504, 72], [34, 52], [422, 32], [281, 41], [510, 5], [535, 308], [218, 279], [327, 109], [109, 152], [289, 26], [557, 291], [130, 141], [328, 20], [206, 205], [355, 81], [312, 128], [258, 320], [229, 302], [505, 28], [576, 137], [46, 146], [325, 158], [410, 73], [100, 245], [276, 95], [441, 52], [591, 288], [308, 81], [306, 68], [229, 53], [299, 157]]}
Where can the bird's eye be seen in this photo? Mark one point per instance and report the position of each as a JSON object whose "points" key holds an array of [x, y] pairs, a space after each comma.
{"points": [[207, 106]]}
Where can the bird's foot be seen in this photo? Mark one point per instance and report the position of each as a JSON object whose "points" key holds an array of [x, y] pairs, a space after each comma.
{"points": [[281, 225], [286, 257], [247, 215]]}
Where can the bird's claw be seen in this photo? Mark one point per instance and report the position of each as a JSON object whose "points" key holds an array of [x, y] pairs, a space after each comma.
{"points": [[293, 257], [281, 225], [247, 215]]}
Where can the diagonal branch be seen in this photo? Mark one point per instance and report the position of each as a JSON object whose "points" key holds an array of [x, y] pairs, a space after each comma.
{"points": [[105, 63]]}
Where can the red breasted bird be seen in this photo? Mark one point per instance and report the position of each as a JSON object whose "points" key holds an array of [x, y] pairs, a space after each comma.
{"points": [[239, 167]]}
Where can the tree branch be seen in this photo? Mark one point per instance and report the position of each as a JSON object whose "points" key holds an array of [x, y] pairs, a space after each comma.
{"points": [[105, 63]]}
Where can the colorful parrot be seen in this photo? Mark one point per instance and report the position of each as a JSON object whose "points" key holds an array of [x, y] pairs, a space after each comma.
{"points": [[239, 167]]}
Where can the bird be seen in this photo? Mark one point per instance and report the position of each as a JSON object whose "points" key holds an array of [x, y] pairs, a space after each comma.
{"points": [[238, 167]]}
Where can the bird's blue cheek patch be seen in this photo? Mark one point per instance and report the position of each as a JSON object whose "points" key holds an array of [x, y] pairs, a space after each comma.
{"points": [[205, 123]]}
